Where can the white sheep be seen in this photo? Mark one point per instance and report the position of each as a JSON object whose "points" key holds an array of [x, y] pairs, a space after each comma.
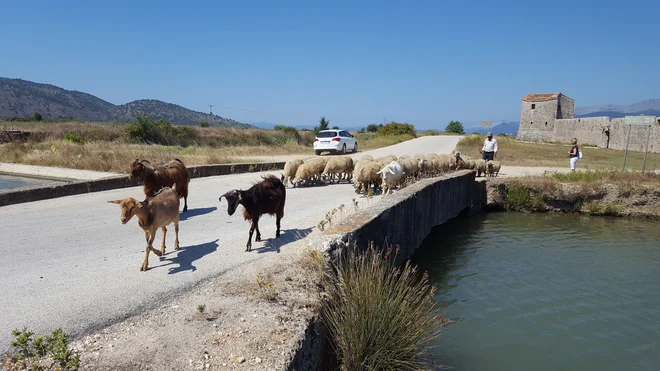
{"points": [[308, 172], [480, 167], [391, 175], [338, 166], [290, 168], [493, 168], [365, 175]]}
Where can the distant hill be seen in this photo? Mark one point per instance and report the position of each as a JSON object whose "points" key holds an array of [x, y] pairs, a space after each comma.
{"points": [[21, 98], [615, 110]]}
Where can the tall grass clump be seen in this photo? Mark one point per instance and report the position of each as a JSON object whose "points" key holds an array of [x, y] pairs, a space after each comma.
{"points": [[146, 130], [380, 316], [520, 197], [51, 352]]}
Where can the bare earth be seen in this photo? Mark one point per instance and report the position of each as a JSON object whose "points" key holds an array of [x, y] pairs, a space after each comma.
{"points": [[69, 262]]}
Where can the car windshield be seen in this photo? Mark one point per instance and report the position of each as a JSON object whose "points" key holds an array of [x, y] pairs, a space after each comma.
{"points": [[326, 134]]}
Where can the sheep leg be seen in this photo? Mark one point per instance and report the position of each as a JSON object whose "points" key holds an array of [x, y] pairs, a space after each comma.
{"points": [[162, 247], [150, 236]]}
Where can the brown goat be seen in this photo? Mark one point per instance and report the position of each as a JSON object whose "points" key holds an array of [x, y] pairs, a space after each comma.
{"points": [[266, 197], [162, 175], [154, 212]]}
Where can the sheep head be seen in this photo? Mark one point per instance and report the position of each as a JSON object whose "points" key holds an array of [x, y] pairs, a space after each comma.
{"points": [[137, 169], [234, 198], [129, 207]]}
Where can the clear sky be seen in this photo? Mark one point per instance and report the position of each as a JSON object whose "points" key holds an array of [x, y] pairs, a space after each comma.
{"points": [[355, 62]]}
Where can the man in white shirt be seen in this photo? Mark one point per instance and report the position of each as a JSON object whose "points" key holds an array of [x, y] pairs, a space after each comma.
{"points": [[489, 149]]}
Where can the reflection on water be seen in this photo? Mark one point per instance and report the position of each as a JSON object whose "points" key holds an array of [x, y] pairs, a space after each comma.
{"points": [[546, 292], [11, 182]]}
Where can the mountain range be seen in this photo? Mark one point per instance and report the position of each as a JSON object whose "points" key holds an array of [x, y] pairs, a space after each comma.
{"points": [[21, 98]]}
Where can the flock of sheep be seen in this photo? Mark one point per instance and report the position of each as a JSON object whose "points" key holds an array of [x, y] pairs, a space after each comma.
{"points": [[166, 184], [382, 173]]}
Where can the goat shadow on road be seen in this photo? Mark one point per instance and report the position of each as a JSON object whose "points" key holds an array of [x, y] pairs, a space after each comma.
{"points": [[190, 213], [187, 255], [286, 237]]}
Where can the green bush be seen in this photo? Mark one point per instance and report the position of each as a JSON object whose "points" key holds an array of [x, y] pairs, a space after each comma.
{"points": [[373, 128], [380, 317], [37, 116], [396, 128], [74, 138], [146, 130], [51, 353], [521, 198], [204, 124]]}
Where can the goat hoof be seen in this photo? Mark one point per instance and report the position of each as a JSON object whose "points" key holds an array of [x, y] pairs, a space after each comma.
{"points": [[143, 268], [258, 239]]}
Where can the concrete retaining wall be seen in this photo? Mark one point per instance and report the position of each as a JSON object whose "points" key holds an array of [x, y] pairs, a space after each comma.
{"points": [[403, 219], [37, 193]]}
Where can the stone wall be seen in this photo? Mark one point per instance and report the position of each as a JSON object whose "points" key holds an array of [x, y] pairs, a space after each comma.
{"points": [[403, 219], [589, 130], [36, 193], [567, 107]]}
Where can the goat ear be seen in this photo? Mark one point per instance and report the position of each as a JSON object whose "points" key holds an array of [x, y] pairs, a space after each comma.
{"points": [[115, 202]]}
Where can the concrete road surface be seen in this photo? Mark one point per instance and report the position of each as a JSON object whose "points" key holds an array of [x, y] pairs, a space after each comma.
{"points": [[69, 262]]}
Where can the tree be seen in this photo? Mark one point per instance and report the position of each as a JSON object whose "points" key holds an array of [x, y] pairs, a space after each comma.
{"points": [[335, 127], [373, 128], [324, 123], [38, 116], [455, 127]]}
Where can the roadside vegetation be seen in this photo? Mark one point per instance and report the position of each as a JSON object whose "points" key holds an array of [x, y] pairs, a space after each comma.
{"points": [[112, 146], [380, 316], [515, 153], [42, 353], [598, 192]]}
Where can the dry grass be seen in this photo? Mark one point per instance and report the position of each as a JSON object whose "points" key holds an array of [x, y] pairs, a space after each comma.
{"points": [[380, 316], [107, 148], [512, 152]]}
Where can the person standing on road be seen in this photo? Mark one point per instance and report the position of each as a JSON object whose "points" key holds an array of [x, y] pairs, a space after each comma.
{"points": [[489, 149], [573, 154]]}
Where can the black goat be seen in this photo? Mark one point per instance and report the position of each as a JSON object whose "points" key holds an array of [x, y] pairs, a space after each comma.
{"points": [[265, 197]]}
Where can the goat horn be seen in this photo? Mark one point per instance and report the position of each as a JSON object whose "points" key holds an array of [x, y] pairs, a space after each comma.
{"points": [[145, 161]]}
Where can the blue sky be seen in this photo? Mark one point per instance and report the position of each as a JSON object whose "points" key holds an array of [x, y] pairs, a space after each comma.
{"points": [[355, 62]]}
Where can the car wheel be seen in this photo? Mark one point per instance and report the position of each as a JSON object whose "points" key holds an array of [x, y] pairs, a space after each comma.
{"points": [[343, 150], [318, 153], [355, 149]]}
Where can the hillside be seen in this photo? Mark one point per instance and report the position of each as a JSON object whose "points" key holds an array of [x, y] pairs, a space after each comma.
{"points": [[645, 107], [21, 98]]}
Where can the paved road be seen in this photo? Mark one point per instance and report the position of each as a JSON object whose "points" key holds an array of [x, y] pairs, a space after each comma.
{"points": [[70, 262]]}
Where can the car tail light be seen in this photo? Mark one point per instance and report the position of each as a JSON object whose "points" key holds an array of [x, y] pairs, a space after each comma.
{"points": [[316, 139], [336, 139]]}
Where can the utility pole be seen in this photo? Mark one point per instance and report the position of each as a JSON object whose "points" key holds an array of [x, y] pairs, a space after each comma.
{"points": [[384, 120], [210, 109]]}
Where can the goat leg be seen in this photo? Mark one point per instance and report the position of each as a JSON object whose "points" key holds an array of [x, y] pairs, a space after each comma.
{"points": [[150, 236], [162, 247], [248, 247], [256, 226], [176, 232]]}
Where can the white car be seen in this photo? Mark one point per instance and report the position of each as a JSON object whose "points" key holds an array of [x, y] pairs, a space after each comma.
{"points": [[334, 141]]}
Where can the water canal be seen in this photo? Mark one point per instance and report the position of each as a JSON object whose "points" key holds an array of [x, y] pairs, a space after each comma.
{"points": [[546, 292], [12, 182]]}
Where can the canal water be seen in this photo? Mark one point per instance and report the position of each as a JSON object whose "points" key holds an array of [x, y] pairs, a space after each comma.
{"points": [[546, 292], [11, 182]]}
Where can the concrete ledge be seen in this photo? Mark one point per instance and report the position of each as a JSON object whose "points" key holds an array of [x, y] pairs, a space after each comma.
{"points": [[52, 173], [37, 193], [403, 219]]}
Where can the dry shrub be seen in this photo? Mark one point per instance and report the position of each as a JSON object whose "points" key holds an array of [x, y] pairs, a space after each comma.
{"points": [[380, 317]]}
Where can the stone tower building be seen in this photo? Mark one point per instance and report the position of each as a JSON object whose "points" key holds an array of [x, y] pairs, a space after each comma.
{"points": [[538, 115]]}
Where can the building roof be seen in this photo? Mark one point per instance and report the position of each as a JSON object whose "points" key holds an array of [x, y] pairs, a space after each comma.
{"points": [[541, 97]]}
